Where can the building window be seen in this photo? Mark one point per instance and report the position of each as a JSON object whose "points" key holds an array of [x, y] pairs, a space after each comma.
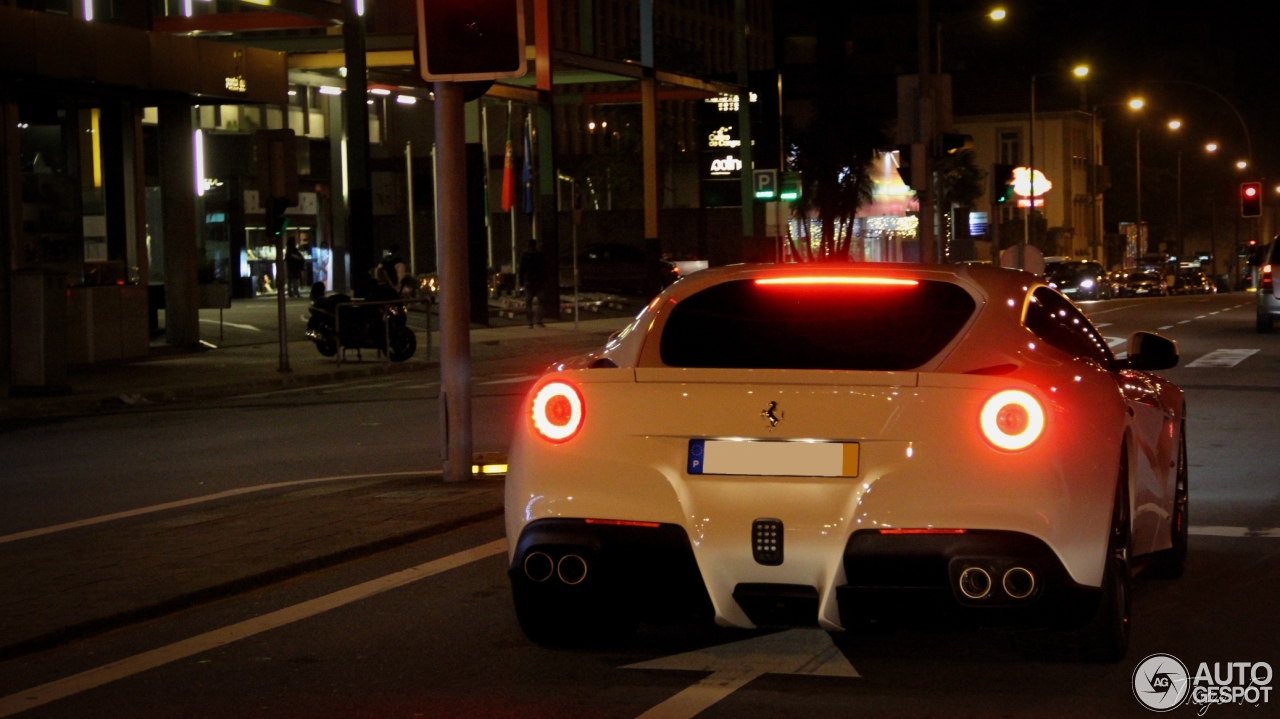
{"points": [[1010, 147]]}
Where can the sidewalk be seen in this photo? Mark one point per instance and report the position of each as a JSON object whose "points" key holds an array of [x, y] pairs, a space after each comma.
{"points": [[249, 369], [85, 581]]}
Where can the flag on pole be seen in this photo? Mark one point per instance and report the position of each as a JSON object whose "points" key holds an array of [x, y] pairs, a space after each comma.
{"points": [[508, 172], [527, 176]]}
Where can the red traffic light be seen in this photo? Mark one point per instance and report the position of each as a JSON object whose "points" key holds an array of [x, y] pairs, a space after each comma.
{"points": [[1250, 199]]}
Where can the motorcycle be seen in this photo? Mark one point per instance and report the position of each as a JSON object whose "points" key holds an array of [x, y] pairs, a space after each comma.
{"points": [[384, 327]]}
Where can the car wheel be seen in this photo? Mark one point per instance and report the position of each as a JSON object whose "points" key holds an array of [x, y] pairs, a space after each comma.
{"points": [[1104, 638], [1265, 323], [1173, 561]]}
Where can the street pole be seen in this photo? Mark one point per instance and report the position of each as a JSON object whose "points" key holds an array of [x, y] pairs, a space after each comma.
{"points": [[924, 136], [1181, 248], [413, 245], [1137, 162], [282, 281], [488, 216], [1031, 174], [577, 215], [451, 249]]}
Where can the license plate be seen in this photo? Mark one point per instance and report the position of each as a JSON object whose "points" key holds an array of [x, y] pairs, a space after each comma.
{"points": [[773, 459]]}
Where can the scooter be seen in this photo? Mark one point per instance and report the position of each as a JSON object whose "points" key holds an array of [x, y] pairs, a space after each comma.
{"points": [[378, 327]]}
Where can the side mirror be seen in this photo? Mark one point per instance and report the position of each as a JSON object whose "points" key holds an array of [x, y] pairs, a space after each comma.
{"points": [[1149, 351]]}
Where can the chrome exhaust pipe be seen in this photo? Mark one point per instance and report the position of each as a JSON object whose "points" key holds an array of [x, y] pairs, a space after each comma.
{"points": [[1019, 583], [538, 566], [572, 569], [975, 583]]}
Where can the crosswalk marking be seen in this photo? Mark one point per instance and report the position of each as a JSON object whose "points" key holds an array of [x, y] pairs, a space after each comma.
{"points": [[1223, 358]]}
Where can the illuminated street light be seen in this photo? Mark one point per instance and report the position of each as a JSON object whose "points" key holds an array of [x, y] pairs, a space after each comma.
{"points": [[1241, 165], [998, 14], [1175, 124], [1211, 147], [1081, 70], [1137, 103]]}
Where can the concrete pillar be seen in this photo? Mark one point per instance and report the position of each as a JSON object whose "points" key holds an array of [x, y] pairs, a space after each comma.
{"points": [[359, 182], [338, 196], [178, 202]]}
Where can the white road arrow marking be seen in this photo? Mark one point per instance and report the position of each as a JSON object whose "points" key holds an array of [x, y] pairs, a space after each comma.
{"points": [[1223, 358], [732, 666]]}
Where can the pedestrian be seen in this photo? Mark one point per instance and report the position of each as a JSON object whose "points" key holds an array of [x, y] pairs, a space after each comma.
{"points": [[293, 264], [533, 277], [393, 264]]}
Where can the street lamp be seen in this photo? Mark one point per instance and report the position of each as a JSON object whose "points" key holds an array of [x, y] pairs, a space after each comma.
{"points": [[1081, 71], [1031, 162], [998, 14], [1241, 165], [1175, 125], [1211, 147], [1137, 103]]}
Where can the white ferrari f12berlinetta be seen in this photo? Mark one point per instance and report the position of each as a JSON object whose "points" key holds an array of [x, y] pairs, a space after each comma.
{"points": [[829, 446]]}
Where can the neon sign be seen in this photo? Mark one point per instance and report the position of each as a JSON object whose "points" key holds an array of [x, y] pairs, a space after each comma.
{"points": [[721, 138], [1022, 186]]}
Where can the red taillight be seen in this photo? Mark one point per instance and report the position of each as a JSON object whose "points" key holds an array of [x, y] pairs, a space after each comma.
{"points": [[926, 530], [623, 523], [1267, 283], [557, 411], [808, 280], [1012, 420]]}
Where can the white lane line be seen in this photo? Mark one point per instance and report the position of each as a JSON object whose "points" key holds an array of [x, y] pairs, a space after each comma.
{"points": [[28, 534], [107, 673], [357, 388], [286, 391], [1183, 322], [706, 693], [1166, 327], [1113, 309], [1214, 313], [1234, 532], [1223, 358], [1102, 324], [1201, 317], [512, 380], [1114, 342], [237, 325]]}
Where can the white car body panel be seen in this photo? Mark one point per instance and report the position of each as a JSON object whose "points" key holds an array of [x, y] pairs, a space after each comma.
{"points": [[923, 462]]}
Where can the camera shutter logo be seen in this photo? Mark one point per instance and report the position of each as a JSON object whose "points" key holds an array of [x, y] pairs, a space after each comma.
{"points": [[1161, 683]]}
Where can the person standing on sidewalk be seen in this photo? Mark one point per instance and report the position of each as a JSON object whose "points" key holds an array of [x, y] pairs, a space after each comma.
{"points": [[533, 277], [293, 263]]}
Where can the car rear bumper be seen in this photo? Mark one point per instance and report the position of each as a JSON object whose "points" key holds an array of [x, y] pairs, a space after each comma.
{"points": [[648, 571]]}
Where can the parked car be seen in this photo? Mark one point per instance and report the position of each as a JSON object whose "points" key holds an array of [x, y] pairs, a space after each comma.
{"points": [[622, 269], [1079, 280], [1194, 282], [1144, 283], [780, 445]]}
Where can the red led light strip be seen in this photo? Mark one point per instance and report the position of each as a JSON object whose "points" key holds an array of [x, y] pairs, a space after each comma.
{"points": [[922, 531], [623, 523], [879, 281]]}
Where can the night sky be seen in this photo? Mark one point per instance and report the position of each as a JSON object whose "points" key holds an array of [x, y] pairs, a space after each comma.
{"points": [[1133, 48]]}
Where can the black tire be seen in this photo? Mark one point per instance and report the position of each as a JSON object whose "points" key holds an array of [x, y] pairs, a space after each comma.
{"points": [[1265, 323], [403, 344], [1104, 638], [1172, 562], [327, 348]]}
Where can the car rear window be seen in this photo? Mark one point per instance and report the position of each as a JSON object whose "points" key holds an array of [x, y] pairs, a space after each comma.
{"points": [[745, 325]]}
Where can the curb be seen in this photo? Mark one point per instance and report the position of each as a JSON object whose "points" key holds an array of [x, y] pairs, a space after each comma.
{"points": [[243, 585]]}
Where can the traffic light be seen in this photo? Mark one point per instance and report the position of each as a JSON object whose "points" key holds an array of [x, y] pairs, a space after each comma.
{"points": [[460, 40], [1002, 181], [1250, 199]]}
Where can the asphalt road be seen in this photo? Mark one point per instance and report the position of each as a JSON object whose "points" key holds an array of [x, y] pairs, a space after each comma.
{"points": [[442, 641]]}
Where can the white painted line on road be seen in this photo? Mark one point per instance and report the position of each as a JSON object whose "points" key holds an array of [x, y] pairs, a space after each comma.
{"points": [[1214, 313], [107, 673], [1201, 317], [796, 651], [28, 534], [1223, 358], [1113, 309], [1103, 324], [1234, 532], [1115, 341], [512, 380], [237, 325], [1166, 327], [1183, 322], [286, 391], [357, 388]]}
